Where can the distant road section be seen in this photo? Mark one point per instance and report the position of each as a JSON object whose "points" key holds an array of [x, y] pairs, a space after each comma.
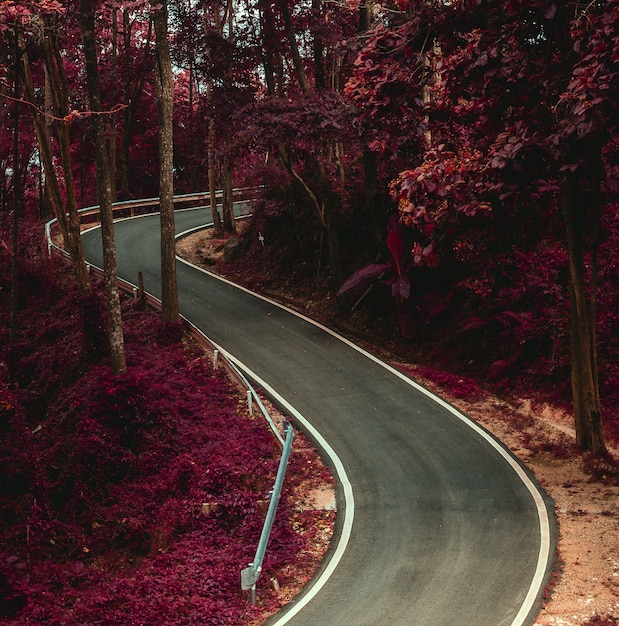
{"points": [[438, 524]]}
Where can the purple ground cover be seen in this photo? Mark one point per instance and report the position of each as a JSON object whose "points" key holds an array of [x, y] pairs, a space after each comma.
{"points": [[104, 478]]}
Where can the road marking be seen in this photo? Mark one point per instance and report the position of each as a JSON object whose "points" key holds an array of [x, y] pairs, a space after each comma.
{"points": [[545, 534], [349, 502]]}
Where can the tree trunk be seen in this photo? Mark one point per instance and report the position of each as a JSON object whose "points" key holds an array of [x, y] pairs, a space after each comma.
{"points": [[318, 46], [365, 15], [164, 87], [4, 154], [218, 228], [111, 128], [585, 390], [104, 191], [59, 91], [193, 184], [69, 226], [375, 198], [227, 204], [132, 101], [16, 200], [210, 148], [267, 35], [294, 47]]}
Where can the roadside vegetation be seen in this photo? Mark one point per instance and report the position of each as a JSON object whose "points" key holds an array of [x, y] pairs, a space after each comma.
{"points": [[439, 181], [134, 499]]}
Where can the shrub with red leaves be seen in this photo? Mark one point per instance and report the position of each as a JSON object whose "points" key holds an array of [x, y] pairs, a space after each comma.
{"points": [[105, 478]]}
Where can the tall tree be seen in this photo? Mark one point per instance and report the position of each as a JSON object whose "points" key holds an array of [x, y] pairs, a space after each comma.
{"points": [[506, 152], [104, 190], [17, 207], [164, 85], [64, 204], [135, 77]]}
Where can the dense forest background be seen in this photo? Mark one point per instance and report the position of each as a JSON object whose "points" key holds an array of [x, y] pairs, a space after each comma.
{"points": [[445, 171], [439, 179]]}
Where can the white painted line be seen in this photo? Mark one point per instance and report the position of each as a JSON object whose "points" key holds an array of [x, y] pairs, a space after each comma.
{"points": [[544, 554], [348, 510]]}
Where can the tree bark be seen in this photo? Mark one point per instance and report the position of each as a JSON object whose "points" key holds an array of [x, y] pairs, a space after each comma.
{"points": [[16, 200], [210, 148], [294, 47], [585, 390], [104, 192], [111, 128], [59, 91], [132, 101], [164, 87], [365, 15], [69, 226], [267, 35], [218, 228], [227, 204], [318, 46]]}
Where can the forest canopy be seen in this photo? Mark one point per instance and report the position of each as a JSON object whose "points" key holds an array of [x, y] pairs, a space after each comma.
{"points": [[455, 162]]}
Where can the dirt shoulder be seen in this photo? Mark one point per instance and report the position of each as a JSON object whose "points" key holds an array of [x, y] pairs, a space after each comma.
{"points": [[585, 587]]}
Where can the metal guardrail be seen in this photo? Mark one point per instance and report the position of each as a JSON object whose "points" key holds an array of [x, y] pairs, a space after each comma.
{"points": [[144, 206], [251, 574]]}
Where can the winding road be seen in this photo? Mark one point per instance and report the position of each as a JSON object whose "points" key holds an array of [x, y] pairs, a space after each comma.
{"points": [[438, 524]]}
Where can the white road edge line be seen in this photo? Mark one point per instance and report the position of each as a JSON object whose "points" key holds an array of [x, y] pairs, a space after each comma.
{"points": [[338, 466], [348, 510], [544, 523]]}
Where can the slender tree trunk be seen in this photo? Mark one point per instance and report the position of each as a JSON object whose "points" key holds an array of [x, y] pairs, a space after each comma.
{"points": [[365, 15], [164, 87], [16, 200], [227, 204], [4, 132], [375, 198], [294, 47], [218, 228], [585, 390], [59, 92], [132, 102], [111, 127], [267, 35], [326, 210], [193, 185], [318, 46], [69, 227], [227, 178], [104, 192]]}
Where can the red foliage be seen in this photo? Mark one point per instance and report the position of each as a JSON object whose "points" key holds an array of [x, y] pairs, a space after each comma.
{"points": [[104, 478]]}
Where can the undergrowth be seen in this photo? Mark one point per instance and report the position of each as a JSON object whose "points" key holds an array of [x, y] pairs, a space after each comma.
{"points": [[105, 478]]}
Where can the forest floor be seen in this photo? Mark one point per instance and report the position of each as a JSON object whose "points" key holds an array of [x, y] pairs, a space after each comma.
{"points": [[585, 585]]}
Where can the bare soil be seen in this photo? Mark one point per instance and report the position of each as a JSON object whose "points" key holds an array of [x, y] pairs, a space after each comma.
{"points": [[585, 586]]}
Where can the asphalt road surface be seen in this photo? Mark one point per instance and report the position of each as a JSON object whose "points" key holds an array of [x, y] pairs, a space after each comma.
{"points": [[437, 523]]}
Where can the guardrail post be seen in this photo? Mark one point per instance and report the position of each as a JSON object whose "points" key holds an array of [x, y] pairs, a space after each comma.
{"points": [[141, 292], [250, 404], [215, 358]]}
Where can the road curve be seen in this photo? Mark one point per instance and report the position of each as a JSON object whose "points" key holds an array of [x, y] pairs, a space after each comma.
{"points": [[438, 524]]}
